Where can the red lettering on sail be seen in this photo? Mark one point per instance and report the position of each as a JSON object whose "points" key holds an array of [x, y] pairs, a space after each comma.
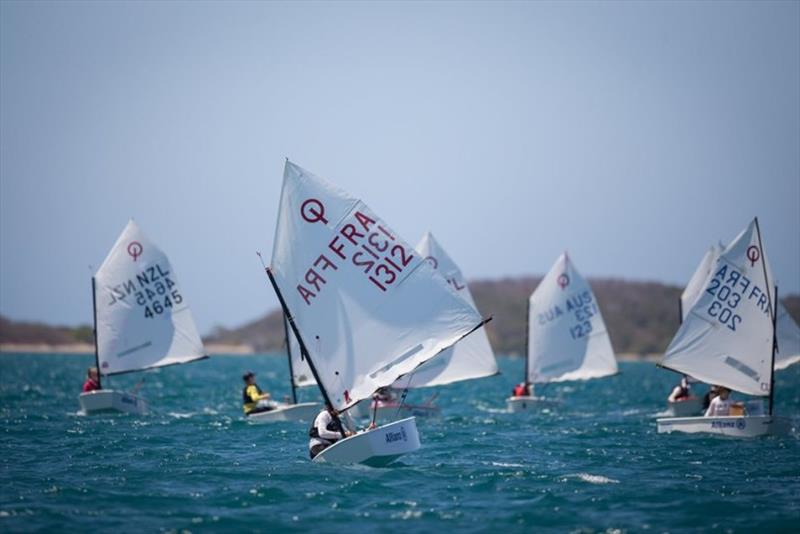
{"points": [[364, 220], [377, 255], [305, 293]]}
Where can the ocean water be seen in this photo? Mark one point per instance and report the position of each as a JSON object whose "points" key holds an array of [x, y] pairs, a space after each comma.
{"points": [[595, 463]]}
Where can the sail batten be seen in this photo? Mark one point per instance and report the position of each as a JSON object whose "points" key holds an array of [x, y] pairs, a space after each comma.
{"points": [[567, 337], [368, 308], [143, 320], [727, 337]]}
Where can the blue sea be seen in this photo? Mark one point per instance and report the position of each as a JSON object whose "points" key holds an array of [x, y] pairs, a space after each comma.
{"points": [[593, 464]]}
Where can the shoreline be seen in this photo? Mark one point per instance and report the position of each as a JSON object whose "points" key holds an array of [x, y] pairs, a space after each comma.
{"points": [[85, 349], [213, 349]]}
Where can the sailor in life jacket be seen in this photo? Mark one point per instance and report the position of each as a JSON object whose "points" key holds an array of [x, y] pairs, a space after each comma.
{"points": [[722, 404], [92, 381], [522, 390], [253, 399], [681, 392], [325, 431]]}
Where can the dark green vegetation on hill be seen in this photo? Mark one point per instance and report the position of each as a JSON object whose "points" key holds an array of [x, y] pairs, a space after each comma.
{"points": [[641, 317], [36, 333]]}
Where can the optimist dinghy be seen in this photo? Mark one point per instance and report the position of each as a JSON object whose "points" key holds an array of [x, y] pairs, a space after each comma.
{"points": [[469, 359], [141, 319], [566, 335], [729, 338], [299, 376], [364, 306]]}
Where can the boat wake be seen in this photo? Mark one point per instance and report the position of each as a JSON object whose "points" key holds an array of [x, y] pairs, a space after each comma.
{"points": [[591, 479]]}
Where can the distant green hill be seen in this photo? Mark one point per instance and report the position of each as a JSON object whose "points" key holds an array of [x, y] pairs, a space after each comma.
{"points": [[34, 333], [641, 317]]}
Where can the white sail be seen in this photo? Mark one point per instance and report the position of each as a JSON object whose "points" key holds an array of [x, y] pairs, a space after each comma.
{"points": [[697, 283], [143, 320], [301, 372], [788, 332], [567, 337], [727, 336], [472, 357], [369, 309], [788, 339]]}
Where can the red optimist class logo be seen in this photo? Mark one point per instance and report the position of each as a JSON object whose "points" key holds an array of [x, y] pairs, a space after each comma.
{"points": [[135, 250], [563, 281], [753, 254], [313, 211]]}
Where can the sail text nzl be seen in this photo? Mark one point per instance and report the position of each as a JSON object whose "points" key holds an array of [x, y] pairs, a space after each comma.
{"points": [[152, 289], [362, 245]]}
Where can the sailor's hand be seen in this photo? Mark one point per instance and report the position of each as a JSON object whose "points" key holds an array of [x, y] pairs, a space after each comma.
{"points": [[348, 433], [372, 425]]}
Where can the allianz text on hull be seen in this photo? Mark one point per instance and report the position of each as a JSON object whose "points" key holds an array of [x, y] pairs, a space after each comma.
{"points": [[365, 308], [566, 335], [731, 425], [728, 338]]}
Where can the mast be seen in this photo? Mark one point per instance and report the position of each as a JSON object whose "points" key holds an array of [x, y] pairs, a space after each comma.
{"points": [[303, 349], [680, 311], [94, 332], [289, 355], [527, 341], [774, 349], [773, 314]]}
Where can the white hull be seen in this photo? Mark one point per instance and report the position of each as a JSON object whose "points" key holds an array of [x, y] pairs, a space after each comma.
{"points": [[303, 411], [686, 408], [108, 400], [392, 410], [525, 403], [377, 447], [745, 426]]}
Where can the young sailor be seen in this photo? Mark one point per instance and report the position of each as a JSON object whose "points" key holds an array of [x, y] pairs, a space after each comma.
{"points": [[253, 399], [712, 392], [721, 404], [325, 431], [682, 391], [522, 390], [92, 382]]}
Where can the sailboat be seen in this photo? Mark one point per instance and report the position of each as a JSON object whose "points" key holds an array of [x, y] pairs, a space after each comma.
{"points": [[729, 338], [787, 351], [299, 376], [364, 307], [141, 319], [566, 335], [469, 359]]}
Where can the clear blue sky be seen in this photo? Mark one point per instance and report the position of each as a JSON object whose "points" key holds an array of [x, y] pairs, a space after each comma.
{"points": [[632, 134]]}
